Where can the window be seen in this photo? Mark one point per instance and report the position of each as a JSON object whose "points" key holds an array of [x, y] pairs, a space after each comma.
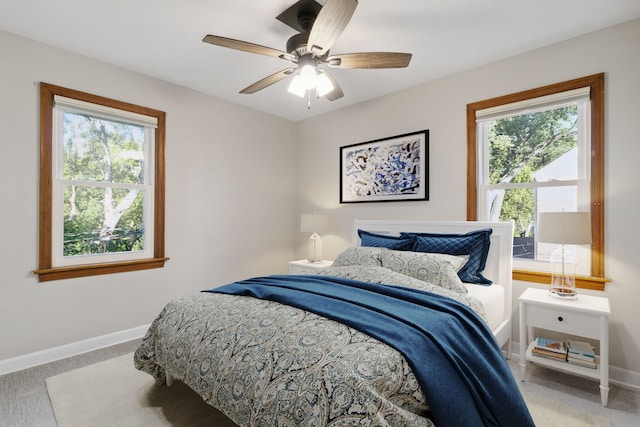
{"points": [[101, 185], [540, 150]]}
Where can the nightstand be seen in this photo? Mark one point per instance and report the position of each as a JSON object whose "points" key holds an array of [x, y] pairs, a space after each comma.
{"points": [[586, 316], [302, 265]]}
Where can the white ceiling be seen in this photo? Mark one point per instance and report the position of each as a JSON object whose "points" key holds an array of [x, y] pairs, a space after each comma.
{"points": [[162, 38]]}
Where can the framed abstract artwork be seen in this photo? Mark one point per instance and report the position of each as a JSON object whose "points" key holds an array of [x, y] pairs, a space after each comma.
{"points": [[385, 170]]}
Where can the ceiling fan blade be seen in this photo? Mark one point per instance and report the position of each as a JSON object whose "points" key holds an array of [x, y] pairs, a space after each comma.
{"points": [[246, 46], [331, 21], [268, 81], [369, 60], [336, 93]]}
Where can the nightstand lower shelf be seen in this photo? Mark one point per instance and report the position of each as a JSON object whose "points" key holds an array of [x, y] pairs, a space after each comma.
{"points": [[564, 366]]}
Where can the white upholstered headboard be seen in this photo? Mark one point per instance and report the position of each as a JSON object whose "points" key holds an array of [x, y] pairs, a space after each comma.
{"points": [[499, 259]]}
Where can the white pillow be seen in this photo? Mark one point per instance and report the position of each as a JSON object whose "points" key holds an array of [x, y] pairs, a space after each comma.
{"points": [[439, 269], [361, 255]]}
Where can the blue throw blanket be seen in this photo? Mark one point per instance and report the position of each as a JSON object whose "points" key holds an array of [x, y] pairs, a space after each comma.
{"points": [[453, 354]]}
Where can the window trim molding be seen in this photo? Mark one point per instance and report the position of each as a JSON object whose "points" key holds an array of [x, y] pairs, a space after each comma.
{"points": [[46, 271], [595, 82]]}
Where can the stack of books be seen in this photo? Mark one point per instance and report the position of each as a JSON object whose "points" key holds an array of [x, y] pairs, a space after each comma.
{"points": [[581, 353], [550, 349]]}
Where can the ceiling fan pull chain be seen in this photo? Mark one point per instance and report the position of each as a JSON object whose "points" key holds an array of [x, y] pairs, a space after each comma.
{"points": [[309, 99]]}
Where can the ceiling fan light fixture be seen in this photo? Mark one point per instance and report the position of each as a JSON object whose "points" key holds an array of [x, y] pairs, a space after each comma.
{"points": [[323, 84], [307, 79], [308, 76], [297, 86]]}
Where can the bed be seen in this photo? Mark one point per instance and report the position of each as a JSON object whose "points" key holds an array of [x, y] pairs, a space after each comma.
{"points": [[353, 344]]}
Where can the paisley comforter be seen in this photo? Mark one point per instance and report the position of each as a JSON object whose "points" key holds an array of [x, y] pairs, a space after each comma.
{"points": [[264, 363]]}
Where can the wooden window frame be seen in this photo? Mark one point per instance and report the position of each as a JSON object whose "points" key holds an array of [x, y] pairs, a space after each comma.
{"points": [[597, 279], [46, 271]]}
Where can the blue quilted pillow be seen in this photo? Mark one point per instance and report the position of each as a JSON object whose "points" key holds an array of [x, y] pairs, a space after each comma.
{"points": [[398, 243], [475, 244]]}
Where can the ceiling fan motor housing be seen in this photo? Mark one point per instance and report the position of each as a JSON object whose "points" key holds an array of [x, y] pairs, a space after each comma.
{"points": [[297, 43], [306, 18], [300, 17]]}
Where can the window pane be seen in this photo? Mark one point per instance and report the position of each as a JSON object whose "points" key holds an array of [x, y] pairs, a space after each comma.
{"points": [[532, 148], [518, 206], [555, 199], [99, 220], [521, 205], [101, 150], [521, 146]]}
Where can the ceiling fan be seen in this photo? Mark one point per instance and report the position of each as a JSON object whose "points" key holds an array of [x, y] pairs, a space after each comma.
{"points": [[319, 27]]}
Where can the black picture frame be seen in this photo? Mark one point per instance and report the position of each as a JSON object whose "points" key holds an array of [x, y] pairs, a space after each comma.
{"points": [[386, 170]]}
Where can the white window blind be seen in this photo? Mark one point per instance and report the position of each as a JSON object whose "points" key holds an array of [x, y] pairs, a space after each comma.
{"points": [[75, 105], [532, 105]]}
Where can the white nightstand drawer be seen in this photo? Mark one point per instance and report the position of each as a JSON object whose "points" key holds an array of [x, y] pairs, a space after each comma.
{"points": [[568, 322]]}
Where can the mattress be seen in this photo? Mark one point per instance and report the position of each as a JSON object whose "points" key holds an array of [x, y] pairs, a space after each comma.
{"points": [[492, 299]]}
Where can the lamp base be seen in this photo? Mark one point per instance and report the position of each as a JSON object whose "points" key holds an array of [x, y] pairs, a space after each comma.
{"points": [[315, 248], [563, 273], [564, 293]]}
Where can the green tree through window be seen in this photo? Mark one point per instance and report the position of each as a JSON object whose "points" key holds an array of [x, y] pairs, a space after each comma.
{"points": [[102, 219], [519, 146]]}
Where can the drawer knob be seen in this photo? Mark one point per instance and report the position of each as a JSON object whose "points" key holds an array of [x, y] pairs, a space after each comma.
{"points": [[560, 319]]}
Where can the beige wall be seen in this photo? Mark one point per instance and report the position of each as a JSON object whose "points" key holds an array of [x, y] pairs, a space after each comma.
{"points": [[230, 201], [440, 107]]}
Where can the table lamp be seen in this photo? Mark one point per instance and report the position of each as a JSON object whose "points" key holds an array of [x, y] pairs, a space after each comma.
{"points": [[313, 223], [564, 228]]}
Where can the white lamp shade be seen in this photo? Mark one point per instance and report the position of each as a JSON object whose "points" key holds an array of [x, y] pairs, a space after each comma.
{"points": [[308, 76], [323, 84], [297, 86], [569, 228], [314, 222]]}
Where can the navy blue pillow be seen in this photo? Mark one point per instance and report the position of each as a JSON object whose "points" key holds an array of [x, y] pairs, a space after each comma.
{"points": [[475, 244], [396, 243]]}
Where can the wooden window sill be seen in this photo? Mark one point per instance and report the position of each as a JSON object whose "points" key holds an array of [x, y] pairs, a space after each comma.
{"points": [[582, 282], [69, 272]]}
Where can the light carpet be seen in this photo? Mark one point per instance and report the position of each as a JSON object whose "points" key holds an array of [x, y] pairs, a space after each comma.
{"points": [[113, 392]]}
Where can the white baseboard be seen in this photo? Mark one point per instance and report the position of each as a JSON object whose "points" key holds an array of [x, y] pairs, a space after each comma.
{"points": [[618, 376], [79, 347], [624, 378]]}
